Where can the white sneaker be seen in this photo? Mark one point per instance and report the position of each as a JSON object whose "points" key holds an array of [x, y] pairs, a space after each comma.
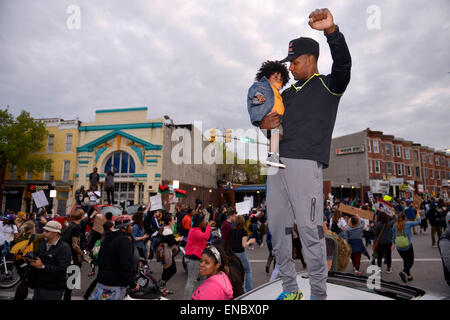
{"points": [[274, 161]]}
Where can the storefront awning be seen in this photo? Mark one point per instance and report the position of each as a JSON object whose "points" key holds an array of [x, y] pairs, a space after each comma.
{"points": [[250, 188]]}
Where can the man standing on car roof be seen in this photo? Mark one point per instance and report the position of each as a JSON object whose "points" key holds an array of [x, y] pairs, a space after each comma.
{"points": [[297, 191]]}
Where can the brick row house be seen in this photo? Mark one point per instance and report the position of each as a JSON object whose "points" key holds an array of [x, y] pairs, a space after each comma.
{"points": [[381, 163], [408, 166]]}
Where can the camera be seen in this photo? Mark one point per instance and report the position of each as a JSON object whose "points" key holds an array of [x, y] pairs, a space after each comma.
{"points": [[30, 255]]}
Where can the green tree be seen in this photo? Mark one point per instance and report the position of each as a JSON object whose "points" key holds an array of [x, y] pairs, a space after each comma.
{"points": [[20, 138], [246, 173]]}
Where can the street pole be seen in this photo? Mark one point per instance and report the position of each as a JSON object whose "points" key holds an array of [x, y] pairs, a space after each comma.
{"points": [[257, 151]]}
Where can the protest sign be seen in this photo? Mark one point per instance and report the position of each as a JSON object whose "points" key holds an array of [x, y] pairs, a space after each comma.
{"points": [[156, 202], [366, 214], [40, 199], [243, 207], [99, 221], [385, 207], [417, 202], [251, 201]]}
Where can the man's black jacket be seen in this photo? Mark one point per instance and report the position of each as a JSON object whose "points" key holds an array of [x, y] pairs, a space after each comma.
{"points": [[115, 261], [311, 107], [56, 261]]}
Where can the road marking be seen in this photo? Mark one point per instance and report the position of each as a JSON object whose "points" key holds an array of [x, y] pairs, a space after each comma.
{"points": [[393, 260], [415, 260]]}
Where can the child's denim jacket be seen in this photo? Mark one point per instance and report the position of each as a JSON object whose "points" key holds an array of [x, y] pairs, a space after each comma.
{"points": [[256, 109]]}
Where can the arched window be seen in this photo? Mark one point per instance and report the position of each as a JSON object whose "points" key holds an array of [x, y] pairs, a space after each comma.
{"points": [[122, 162]]}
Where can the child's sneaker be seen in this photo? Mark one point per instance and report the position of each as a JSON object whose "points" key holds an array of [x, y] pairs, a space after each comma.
{"points": [[298, 295], [274, 160], [356, 272]]}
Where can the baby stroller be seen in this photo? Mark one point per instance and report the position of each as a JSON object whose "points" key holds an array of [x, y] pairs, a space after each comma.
{"points": [[149, 287]]}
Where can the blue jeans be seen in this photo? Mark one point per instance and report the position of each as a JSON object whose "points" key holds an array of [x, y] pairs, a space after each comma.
{"points": [[103, 292], [193, 270], [248, 271], [255, 232]]}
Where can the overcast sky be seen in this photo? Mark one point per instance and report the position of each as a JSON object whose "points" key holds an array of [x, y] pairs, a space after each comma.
{"points": [[195, 60]]}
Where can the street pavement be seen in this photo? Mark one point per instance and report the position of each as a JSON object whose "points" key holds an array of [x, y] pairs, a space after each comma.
{"points": [[427, 271]]}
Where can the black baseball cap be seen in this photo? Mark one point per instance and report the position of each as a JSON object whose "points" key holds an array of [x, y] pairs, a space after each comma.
{"points": [[300, 46]]}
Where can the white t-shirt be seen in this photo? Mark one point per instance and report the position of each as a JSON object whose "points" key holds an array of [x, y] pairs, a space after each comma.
{"points": [[7, 232], [92, 196], [342, 223]]}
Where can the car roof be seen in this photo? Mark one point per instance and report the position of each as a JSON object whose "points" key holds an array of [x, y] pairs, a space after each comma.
{"points": [[340, 286]]}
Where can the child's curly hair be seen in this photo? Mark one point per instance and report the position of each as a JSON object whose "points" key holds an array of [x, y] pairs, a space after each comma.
{"points": [[268, 68]]}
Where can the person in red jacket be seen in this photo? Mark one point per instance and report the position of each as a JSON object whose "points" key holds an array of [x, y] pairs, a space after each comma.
{"points": [[195, 244], [186, 222]]}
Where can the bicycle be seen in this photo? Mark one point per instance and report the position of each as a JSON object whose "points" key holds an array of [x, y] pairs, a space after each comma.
{"points": [[9, 276]]}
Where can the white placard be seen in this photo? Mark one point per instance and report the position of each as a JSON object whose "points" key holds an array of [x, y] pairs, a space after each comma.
{"points": [[52, 193], [156, 202], [252, 203], [40, 199], [243, 207]]}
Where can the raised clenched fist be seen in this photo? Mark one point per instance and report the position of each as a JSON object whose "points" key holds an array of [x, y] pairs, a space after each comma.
{"points": [[322, 20]]}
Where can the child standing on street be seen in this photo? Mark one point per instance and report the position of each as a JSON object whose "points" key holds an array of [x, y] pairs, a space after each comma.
{"points": [[353, 234], [264, 97]]}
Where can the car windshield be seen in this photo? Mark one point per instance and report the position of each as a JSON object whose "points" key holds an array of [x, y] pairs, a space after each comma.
{"points": [[132, 209], [116, 211]]}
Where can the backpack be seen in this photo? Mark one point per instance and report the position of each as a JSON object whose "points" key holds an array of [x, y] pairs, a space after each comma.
{"points": [[156, 241], [344, 251], [21, 248], [401, 239]]}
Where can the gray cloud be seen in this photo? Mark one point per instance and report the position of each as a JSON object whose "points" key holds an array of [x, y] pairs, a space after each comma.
{"points": [[194, 60]]}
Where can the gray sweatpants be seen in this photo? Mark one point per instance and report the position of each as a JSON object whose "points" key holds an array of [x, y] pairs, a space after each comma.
{"points": [[297, 191]]}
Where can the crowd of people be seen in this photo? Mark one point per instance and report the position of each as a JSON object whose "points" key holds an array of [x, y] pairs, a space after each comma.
{"points": [[387, 232], [115, 249], [215, 241]]}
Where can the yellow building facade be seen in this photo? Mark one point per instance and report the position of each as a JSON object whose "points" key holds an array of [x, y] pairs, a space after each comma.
{"points": [[125, 139], [59, 146]]}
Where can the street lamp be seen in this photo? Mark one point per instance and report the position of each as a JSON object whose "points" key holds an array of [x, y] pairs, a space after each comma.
{"points": [[168, 122]]}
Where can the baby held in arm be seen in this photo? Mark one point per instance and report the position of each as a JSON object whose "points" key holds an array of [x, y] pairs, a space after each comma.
{"points": [[263, 98]]}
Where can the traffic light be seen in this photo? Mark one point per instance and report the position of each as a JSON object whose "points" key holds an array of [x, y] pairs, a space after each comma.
{"points": [[213, 135], [227, 135]]}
